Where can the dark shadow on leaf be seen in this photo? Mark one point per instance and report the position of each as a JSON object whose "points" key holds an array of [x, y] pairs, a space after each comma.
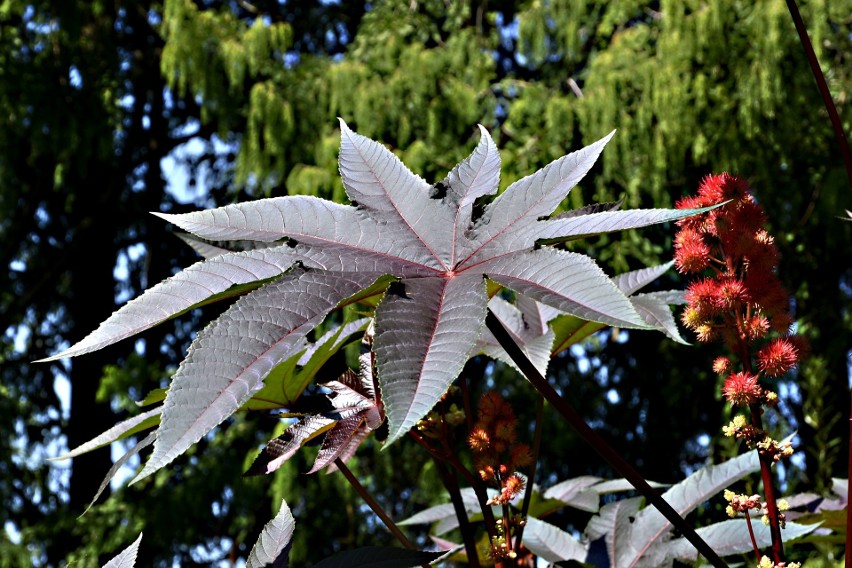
{"points": [[439, 191]]}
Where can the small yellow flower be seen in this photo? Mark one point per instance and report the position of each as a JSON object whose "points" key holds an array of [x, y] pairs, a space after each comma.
{"points": [[731, 429], [765, 562], [783, 505]]}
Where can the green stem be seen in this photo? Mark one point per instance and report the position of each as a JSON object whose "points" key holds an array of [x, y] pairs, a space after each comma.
{"points": [[596, 442]]}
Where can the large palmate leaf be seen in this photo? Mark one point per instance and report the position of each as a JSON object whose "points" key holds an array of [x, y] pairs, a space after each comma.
{"points": [[353, 412], [118, 464], [226, 275], [421, 235], [285, 383], [653, 307], [731, 537], [534, 337], [542, 538]]}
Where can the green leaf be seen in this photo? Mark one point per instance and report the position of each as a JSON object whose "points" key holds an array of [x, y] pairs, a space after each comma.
{"points": [[286, 382], [153, 397], [570, 330]]}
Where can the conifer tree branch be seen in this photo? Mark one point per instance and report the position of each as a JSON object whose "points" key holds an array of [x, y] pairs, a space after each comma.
{"points": [[597, 442]]}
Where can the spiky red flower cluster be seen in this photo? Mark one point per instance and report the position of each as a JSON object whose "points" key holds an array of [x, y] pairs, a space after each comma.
{"points": [[496, 451], [741, 389], [777, 357], [740, 299]]}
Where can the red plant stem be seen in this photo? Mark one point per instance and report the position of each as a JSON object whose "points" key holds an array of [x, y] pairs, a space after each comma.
{"points": [[769, 491], [766, 462], [596, 442], [458, 504], [476, 482], [374, 505], [751, 534]]}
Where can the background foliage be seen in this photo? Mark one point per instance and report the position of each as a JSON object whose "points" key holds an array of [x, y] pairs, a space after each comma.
{"points": [[107, 106]]}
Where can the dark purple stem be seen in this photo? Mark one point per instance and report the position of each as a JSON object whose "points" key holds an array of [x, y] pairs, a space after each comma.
{"points": [[596, 442], [374, 505], [823, 89]]}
